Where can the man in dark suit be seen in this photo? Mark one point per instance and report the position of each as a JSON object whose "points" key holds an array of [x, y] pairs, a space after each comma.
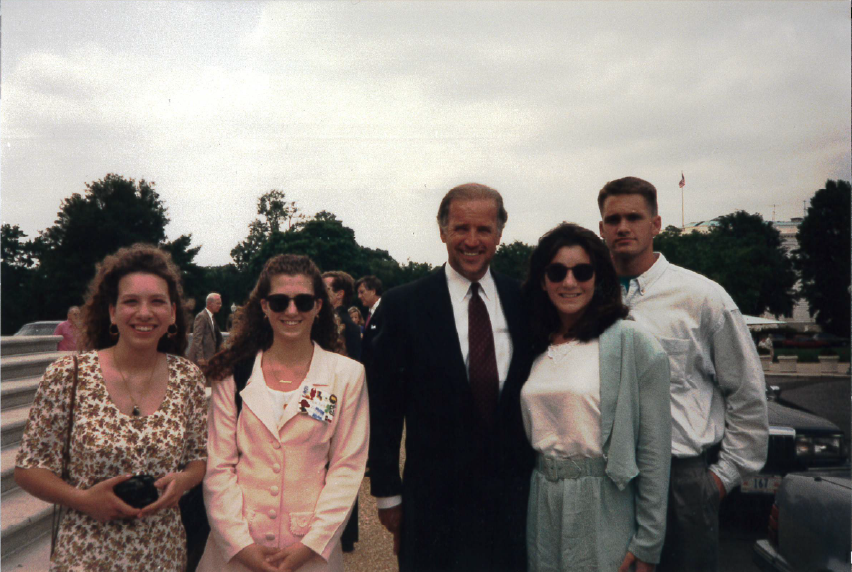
{"points": [[450, 356], [206, 336], [369, 290]]}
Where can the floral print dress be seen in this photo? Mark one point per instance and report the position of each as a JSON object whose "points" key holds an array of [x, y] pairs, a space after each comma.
{"points": [[107, 443]]}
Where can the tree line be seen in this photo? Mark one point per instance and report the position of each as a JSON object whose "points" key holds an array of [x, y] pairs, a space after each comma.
{"points": [[43, 276]]}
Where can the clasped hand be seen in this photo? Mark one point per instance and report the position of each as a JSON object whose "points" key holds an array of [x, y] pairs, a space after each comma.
{"points": [[265, 559], [101, 503]]}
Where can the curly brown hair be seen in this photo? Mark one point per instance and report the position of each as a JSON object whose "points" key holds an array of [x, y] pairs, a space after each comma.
{"points": [[103, 293], [252, 333]]}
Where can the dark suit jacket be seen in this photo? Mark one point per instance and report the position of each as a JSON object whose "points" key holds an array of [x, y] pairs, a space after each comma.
{"points": [[351, 334], [457, 515], [206, 339]]}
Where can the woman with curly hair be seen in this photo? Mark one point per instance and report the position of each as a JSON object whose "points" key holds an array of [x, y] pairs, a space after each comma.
{"points": [[127, 406], [596, 410], [288, 450]]}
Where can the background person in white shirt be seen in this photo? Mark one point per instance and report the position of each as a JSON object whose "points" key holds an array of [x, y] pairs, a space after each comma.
{"points": [[719, 423]]}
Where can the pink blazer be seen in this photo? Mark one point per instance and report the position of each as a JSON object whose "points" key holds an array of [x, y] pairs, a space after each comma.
{"points": [[267, 482]]}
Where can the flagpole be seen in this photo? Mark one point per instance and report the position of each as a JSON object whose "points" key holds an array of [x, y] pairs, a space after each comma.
{"points": [[682, 221]]}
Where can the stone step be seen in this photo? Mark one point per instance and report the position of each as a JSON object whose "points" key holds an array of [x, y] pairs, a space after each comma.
{"points": [[18, 392], [18, 345], [25, 519], [32, 558], [7, 469], [24, 366], [12, 426]]}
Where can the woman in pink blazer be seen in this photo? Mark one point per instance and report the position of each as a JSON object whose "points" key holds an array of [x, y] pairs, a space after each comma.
{"points": [[284, 469]]}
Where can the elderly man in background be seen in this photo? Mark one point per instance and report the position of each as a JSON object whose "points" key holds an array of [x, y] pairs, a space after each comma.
{"points": [[69, 330], [206, 336]]}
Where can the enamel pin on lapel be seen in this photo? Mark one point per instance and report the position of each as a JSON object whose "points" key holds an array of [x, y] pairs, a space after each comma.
{"points": [[318, 405]]}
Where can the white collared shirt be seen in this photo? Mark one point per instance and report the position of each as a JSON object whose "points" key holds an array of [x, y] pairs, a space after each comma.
{"points": [[460, 294], [718, 390], [210, 315], [372, 309]]}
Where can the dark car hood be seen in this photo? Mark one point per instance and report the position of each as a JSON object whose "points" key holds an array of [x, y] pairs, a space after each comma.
{"points": [[781, 415]]}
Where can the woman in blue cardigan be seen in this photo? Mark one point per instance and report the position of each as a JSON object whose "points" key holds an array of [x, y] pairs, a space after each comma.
{"points": [[596, 410]]}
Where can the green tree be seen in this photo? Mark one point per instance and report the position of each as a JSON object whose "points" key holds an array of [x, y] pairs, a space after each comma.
{"points": [[823, 257], [743, 253], [113, 212], [513, 259], [273, 210], [17, 270]]}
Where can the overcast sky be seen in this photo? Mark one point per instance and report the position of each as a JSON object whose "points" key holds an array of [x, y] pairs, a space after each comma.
{"points": [[373, 110]]}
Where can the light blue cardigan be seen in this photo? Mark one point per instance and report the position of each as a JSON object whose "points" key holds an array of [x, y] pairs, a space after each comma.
{"points": [[636, 427]]}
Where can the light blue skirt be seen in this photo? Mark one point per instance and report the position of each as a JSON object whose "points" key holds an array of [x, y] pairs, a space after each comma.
{"points": [[577, 519]]}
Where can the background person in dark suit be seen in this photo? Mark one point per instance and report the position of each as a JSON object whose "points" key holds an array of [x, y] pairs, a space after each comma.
{"points": [[206, 336], [454, 379], [369, 289]]}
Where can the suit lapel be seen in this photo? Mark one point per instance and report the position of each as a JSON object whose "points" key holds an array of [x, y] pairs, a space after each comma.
{"points": [[610, 367], [440, 324]]}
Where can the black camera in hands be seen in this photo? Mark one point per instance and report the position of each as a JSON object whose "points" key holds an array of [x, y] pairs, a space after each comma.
{"points": [[138, 491]]}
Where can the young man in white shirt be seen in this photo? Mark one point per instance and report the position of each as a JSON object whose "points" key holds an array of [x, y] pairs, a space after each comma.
{"points": [[719, 423]]}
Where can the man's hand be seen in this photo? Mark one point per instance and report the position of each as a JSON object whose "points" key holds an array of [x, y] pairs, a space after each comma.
{"points": [[631, 559], [719, 485], [391, 518]]}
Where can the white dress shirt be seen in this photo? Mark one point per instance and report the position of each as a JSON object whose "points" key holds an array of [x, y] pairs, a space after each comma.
{"points": [[212, 321], [717, 386], [460, 294]]}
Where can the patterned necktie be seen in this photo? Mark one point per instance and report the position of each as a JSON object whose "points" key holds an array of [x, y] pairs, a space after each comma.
{"points": [[482, 364]]}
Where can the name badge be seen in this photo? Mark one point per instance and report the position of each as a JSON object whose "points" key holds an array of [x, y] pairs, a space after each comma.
{"points": [[318, 404]]}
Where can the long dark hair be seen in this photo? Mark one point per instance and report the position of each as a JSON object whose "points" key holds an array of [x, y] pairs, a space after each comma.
{"points": [[252, 333], [605, 306], [103, 292]]}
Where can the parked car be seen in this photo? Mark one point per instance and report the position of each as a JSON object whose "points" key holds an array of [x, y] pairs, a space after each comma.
{"points": [[831, 340], [804, 342], [798, 440], [809, 525], [44, 328]]}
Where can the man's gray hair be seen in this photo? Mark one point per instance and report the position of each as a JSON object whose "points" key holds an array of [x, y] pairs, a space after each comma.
{"points": [[212, 295], [471, 192]]}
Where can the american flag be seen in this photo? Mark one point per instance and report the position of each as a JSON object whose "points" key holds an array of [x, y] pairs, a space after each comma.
{"points": [[682, 181]]}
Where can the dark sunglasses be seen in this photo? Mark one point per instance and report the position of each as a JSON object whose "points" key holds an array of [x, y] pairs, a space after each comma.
{"points": [[557, 272], [280, 302]]}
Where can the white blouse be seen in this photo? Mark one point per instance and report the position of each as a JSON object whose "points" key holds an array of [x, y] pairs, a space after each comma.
{"points": [[279, 400], [561, 401]]}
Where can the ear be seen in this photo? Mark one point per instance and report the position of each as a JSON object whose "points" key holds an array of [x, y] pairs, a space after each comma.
{"points": [[174, 312], [600, 229], [112, 314], [656, 225], [319, 305], [443, 234]]}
